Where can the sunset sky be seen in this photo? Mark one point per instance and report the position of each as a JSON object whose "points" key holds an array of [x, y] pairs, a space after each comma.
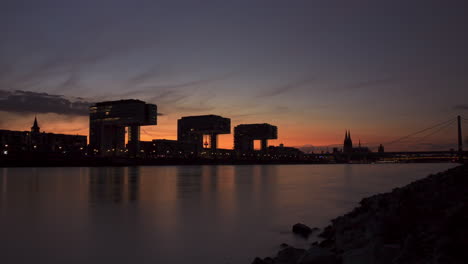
{"points": [[382, 69]]}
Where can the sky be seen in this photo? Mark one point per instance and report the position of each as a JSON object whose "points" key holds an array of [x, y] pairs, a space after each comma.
{"points": [[382, 69]]}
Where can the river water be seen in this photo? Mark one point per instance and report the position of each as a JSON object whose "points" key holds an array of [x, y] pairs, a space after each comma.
{"points": [[178, 214]]}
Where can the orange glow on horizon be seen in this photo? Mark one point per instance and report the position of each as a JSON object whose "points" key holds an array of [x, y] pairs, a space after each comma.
{"points": [[289, 133]]}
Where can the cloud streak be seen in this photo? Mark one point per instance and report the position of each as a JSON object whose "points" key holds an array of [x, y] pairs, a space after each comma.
{"points": [[371, 83], [461, 107], [284, 88], [144, 80]]}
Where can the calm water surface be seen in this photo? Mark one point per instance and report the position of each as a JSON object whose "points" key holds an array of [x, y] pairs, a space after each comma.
{"points": [[177, 214]]}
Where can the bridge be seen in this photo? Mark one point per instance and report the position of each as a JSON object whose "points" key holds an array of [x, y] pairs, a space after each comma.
{"points": [[453, 155], [458, 154]]}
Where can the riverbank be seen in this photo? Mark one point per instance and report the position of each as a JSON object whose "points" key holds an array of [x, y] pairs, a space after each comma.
{"points": [[423, 222], [39, 161], [116, 162]]}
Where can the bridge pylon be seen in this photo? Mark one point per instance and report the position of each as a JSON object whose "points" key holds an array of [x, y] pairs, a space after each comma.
{"points": [[460, 140]]}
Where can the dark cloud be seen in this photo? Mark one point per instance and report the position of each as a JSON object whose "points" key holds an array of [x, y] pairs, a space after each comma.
{"points": [[32, 102]]}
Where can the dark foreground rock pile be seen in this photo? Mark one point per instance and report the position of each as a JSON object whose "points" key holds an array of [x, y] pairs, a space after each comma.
{"points": [[303, 230], [423, 222]]}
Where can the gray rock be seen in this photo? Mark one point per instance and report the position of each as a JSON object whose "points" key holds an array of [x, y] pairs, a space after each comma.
{"points": [[423, 222], [302, 230]]}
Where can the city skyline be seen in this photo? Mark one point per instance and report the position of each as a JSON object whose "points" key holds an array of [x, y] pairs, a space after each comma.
{"points": [[252, 136], [382, 70]]}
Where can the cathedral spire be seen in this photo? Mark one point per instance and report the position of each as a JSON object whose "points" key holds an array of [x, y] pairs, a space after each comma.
{"points": [[35, 128]]}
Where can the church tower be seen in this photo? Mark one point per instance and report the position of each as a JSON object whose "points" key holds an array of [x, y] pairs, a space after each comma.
{"points": [[348, 143], [35, 128], [381, 149]]}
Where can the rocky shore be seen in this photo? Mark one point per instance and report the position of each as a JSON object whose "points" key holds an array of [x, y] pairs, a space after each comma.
{"points": [[423, 222]]}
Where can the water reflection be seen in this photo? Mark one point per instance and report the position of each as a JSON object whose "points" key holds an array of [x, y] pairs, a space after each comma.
{"points": [[119, 185], [4, 186], [168, 214], [192, 184]]}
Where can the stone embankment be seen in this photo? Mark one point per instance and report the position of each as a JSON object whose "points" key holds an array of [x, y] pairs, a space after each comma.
{"points": [[423, 222]]}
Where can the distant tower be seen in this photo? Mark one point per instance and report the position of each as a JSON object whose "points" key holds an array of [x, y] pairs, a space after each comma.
{"points": [[35, 128], [381, 149], [348, 143]]}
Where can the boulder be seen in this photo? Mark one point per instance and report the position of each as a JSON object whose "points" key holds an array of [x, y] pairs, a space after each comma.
{"points": [[423, 222], [302, 230]]}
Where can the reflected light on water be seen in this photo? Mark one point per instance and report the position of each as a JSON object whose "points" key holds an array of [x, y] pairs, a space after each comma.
{"points": [[171, 214]]}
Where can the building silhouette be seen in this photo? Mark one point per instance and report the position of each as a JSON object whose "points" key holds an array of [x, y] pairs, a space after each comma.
{"points": [[348, 143], [35, 128], [246, 134], [202, 131], [34, 141], [107, 123], [381, 149], [166, 148], [348, 147], [350, 152], [283, 152]]}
